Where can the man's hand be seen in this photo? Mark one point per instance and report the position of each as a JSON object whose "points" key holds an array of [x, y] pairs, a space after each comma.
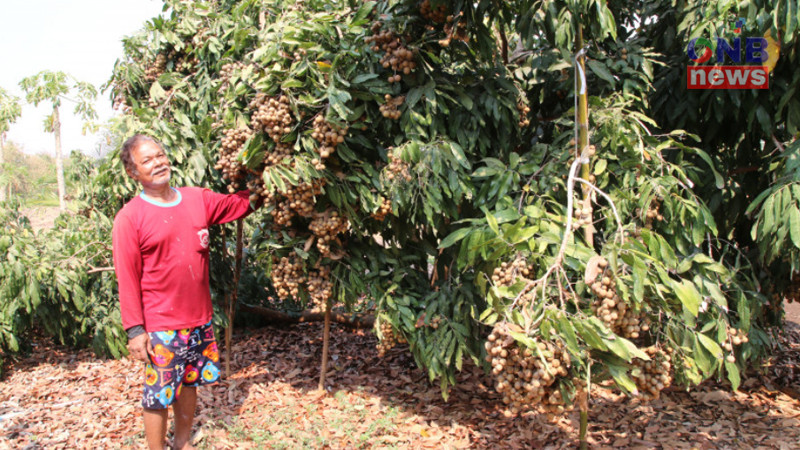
{"points": [[140, 347]]}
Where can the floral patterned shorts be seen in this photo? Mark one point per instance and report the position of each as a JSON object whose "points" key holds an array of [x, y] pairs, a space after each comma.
{"points": [[187, 357]]}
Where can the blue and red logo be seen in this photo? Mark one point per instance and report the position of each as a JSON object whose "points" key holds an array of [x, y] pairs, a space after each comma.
{"points": [[760, 55]]}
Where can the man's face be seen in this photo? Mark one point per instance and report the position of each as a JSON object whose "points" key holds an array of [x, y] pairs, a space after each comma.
{"points": [[152, 165]]}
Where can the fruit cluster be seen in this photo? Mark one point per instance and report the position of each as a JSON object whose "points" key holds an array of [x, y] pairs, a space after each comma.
{"points": [[583, 213], [652, 377], [232, 170], [527, 378], [396, 55], [278, 154], [186, 63], [256, 187], [397, 168], [272, 115], [389, 109], [383, 210], [320, 287], [326, 226], [736, 337], [389, 337], [299, 200], [612, 310], [227, 71], [652, 213], [436, 14], [328, 137], [524, 110], [287, 276], [433, 323], [457, 32], [509, 274], [154, 70]]}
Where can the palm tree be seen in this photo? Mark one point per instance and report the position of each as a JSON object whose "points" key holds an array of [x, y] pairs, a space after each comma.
{"points": [[10, 110], [47, 86]]}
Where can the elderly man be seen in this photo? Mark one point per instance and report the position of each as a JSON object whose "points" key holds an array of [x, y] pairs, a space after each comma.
{"points": [[160, 241]]}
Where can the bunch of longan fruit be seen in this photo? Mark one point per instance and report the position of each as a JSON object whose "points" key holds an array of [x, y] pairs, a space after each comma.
{"points": [[436, 15], [326, 226], [397, 168], [287, 276], [396, 56], [272, 115], [582, 213], [328, 136], [383, 210], [232, 142], [158, 67], [652, 377], [510, 273], [320, 286], [612, 310], [457, 32], [524, 110], [736, 337], [653, 213], [389, 109], [277, 154], [527, 378], [388, 337]]}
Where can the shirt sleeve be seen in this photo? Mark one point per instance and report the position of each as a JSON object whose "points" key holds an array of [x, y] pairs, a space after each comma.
{"points": [[221, 208], [128, 267]]}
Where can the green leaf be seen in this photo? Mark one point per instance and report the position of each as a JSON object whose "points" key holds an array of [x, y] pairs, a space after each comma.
{"points": [[713, 348], [733, 375], [639, 275], [688, 295], [454, 237], [490, 219], [794, 224], [601, 71], [620, 375]]}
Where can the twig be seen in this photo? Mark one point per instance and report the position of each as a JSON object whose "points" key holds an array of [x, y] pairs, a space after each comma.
{"points": [[620, 234], [100, 269]]}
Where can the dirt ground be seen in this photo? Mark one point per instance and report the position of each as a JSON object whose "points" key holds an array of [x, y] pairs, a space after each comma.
{"points": [[41, 217], [61, 398]]}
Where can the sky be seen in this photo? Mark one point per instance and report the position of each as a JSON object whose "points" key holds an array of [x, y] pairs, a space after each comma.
{"points": [[82, 38]]}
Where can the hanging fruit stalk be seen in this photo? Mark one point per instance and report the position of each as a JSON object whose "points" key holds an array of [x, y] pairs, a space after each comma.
{"points": [[588, 230]]}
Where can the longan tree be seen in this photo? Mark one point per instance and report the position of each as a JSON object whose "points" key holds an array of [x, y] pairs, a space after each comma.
{"points": [[483, 176]]}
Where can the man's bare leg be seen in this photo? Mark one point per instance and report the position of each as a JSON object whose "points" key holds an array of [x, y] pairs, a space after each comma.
{"points": [[184, 408], [155, 428]]}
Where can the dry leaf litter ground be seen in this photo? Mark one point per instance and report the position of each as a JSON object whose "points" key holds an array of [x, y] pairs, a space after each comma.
{"points": [[61, 398]]}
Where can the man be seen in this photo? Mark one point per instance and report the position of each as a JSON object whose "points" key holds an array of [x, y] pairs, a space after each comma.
{"points": [[160, 241]]}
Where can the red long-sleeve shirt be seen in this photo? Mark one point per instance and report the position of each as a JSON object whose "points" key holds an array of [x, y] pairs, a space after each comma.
{"points": [[161, 257]]}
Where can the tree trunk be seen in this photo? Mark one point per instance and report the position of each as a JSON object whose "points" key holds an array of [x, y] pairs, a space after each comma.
{"points": [[282, 318], [2, 169], [62, 188]]}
